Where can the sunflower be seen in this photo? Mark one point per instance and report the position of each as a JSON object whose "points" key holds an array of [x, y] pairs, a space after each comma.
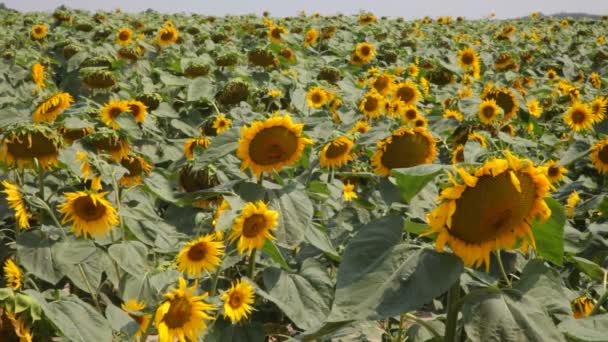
{"points": [[372, 104], [360, 127], [38, 75], [274, 93], [111, 110], [554, 173], [288, 54], [365, 52], [202, 254], [534, 108], [253, 227], [452, 114], [477, 137], [271, 144], [275, 33], [551, 74], [420, 121], [221, 123], [395, 108], [413, 70], [132, 308], [403, 148], [117, 147], [72, 134], [167, 35], [124, 36], [410, 114], [383, 83], [317, 97], [598, 109], [38, 32], [336, 152], [468, 59], [599, 156], [182, 315], [492, 210], [311, 37], [49, 109], [488, 111], [579, 117], [138, 109], [407, 92], [506, 100], [13, 275], [22, 146], [582, 307], [238, 300], [191, 144], [16, 202], [365, 19], [458, 154], [348, 192], [90, 213], [137, 167], [20, 332]]}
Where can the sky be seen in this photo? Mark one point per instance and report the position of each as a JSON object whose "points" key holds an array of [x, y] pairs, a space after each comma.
{"points": [[403, 8]]}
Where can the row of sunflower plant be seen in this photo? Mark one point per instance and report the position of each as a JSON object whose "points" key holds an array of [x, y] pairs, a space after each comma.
{"points": [[251, 178]]}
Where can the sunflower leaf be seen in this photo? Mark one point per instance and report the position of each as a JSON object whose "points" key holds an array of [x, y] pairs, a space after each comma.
{"points": [[411, 180], [549, 235]]}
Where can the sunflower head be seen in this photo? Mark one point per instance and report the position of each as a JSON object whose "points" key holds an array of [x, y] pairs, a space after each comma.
{"points": [[49, 109], [138, 109], [311, 37], [72, 134], [579, 117], [598, 108], [410, 114], [405, 147], [111, 110], [200, 255], [16, 202], [407, 92], [38, 75], [467, 58], [553, 172], [534, 108], [373, 104], [253, 227], [191, 144], [13, 275], [368, 18], [275, 33], [271, 144], [599, 156], [167, 35], [336, 152], [137, 167], [488, 111], [31, 145], [124, 36], [365, 52], [383, 83], [317, 97], [582, 307], [288, 54], [348, 192], [182, 315], [90, 212], [111, 143], [221, 123], [133, 308], [452, 114], [20, 330], [506, 100], [458, 154], [492, 209], [238, 301], [38, 32]]}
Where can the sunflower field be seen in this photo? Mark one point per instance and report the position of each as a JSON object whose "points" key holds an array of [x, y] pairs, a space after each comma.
{"points": [[309, 178]]}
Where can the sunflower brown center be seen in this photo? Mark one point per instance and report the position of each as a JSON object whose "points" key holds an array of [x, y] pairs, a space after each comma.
{"points": [[488, 112], [603, 154], [135, 110], [406, 94], [553, 171], [235, 300], [273, 145], [381, 83], [492, 207], [166, 35], [253, 225], [38, 30], [578, 116], [115, 111], [365, 50], [411, 114], [221, 123], [336, 149], [87, 210], [133, 165], [460, 155], [316, 98], [505, 100], [419, 123], [198, 252], [467, 58], [124, 35], [406, 151], [371, 104], [276, 33], [179, 313], [41, 146]]}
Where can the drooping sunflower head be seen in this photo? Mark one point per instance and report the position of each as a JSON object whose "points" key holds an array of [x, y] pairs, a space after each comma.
{"points": [[13, 274], [407, 92], [506, 100], [137, 167], [365, 52], [17, 203], [14, 327], [477, 137], [238, 301], [201, 254], [365, 19], [90, 212], [383, 83], [271, 144], [458, 154], [336, 152], [317, 97], [276, 32], [488, 111], [39, 32], [373, 104], [182, 315], [221, 123], [598, 108], [467, 58], [492, 210], [49, 109], [38, 74], [124, 36], [111, 143], [405, 147], [191, 144], [579, 117], [452, 114], [111, 110], [133, 308], [554, 172], [138, 109], [311, 37], [22, 146], [72, 134], [599, 156], [167, 35], [582, 307], [253, 227], [288, 54]]}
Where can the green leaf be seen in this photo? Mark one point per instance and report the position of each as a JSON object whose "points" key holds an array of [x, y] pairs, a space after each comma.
{"points": [[295, 215], [274, 253], [588, 329], [589, 267], [549, 236], [415, 227], [320, 240], [305, 297], [200, 88], [507, 318], [130, 256], [379, 277], [159, 186], [34, 254], [221, 145], [411, 180], [75, 319], [121, 321], [127, 122], [224, 331], [72, 251]]}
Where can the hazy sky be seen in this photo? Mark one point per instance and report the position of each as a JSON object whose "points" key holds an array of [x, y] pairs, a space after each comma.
{"points": [[404, 8]]}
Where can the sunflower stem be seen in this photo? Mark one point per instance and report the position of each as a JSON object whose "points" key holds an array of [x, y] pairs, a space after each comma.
{"points": [[215, 107], [601, 300], [216, 277], [400, 332], [252, 263], [118, 206], [41, 182], [261, 178], [55, 220], [452, 312], [424, 324], [502, 270], [88, 284]]}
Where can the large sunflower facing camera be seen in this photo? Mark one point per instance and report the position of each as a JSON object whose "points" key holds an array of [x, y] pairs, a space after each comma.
{"points": [[404, 148], [90, 213]]}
